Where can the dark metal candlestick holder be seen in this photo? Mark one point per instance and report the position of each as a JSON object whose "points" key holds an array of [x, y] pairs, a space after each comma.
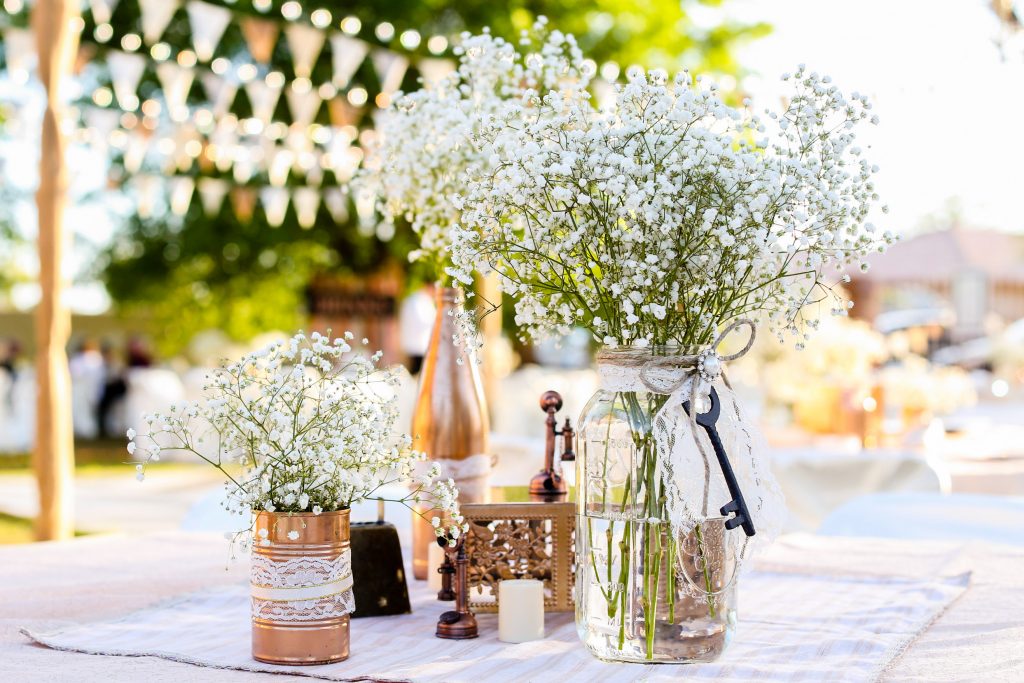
{"points": [[548, 485], [460, 623], [447, 572]]}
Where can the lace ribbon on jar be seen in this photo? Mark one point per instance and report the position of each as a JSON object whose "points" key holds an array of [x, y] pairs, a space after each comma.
{"points": [[302, 589], [686, 464]]}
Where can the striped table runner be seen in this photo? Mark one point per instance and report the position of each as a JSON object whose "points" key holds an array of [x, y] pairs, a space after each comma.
{"points": [[792, 627]]}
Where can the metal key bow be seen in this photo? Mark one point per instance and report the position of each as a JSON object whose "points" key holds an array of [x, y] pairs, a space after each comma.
{"points": [[737, 506]]}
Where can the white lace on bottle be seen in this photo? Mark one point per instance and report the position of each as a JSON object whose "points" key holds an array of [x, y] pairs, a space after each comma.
{"points": [[302, 589], [472, 475]]}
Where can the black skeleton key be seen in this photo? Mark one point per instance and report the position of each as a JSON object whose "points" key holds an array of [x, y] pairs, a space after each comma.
{"points": [[737, 506]]}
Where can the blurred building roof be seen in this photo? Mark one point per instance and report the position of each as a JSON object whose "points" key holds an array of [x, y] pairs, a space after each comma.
{"points": [[940, 256]]}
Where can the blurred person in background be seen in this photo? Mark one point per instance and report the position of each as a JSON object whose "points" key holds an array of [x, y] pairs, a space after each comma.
{"points": [[88, 371], [10, 350], [137, 355]]}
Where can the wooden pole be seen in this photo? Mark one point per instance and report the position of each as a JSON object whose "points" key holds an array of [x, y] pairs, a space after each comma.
{"points": [[53, 458]]}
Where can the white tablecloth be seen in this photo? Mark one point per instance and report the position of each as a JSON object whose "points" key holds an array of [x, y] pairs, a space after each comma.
{"points": [[47, 586]]}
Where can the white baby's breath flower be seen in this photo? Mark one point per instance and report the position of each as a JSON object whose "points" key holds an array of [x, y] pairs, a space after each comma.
{"points": [[293, 535], [307, 425], [670, 213]]}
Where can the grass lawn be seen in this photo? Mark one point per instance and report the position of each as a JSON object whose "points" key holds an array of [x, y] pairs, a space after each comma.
{"points": [[15, 529], [18, 530], [92, 458]]}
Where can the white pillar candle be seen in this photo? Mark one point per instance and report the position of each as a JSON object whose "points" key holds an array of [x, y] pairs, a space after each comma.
{"points": [[435, 558], [520, 610]]}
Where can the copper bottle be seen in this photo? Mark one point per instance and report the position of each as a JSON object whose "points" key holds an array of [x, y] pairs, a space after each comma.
{"points": [[317, 639], [450, 421]]}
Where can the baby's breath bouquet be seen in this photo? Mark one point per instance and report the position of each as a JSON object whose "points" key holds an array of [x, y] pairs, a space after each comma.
{"points": [[428, 138], [671, 213], [660, 224], [302, 426]]}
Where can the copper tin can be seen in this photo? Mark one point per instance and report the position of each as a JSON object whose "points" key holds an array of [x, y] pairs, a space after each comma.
{"points": [[316, 640]]}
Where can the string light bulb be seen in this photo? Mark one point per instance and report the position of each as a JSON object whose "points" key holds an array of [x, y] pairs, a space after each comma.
{"points": [[385, 31], [437, 44], [160, 52], [357, 96], [103, 32], [321, 18], [351, 25], [410, 39], [130, 42]]}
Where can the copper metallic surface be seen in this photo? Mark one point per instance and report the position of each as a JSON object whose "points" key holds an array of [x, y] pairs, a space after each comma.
{"points": [[548, 484], [450, 420], [302, 642], [460, 623]]}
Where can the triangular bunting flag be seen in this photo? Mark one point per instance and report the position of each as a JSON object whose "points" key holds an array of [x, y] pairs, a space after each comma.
{"points": [[223, 141], [366, 210], [219, 91], [604, 93], [101, 123], [20, 50], [275, 204], [279, 164], [208, 23], [346, 56], [155, 15], [342, 113], [305, 43], [336, 200], [306, 201], [146, 188], [260, 37], [126, 69], [390, 67], [184, 134], [432, 70], [211, 194], [263, 99], [135, 151], [315, 174], [303, 104], [243, 168], [181, 193], [243, 201], [298, 142], [102, 10], [176, 81]]}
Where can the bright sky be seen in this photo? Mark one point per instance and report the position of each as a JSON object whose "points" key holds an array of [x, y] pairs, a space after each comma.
{"points": [[950, 108]]}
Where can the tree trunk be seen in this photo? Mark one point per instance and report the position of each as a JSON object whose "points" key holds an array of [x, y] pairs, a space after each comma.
{"points": [[53, 458]]}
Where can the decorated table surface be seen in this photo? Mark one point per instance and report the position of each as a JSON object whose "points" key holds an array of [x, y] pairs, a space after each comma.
{"points": [[954, 613]]}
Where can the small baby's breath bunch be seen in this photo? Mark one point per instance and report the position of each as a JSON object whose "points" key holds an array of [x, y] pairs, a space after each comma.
{"points": [[669, 214], [427, 138], [306, 425]]}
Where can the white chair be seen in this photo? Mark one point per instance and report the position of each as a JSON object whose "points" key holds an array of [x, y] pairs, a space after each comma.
{"points": [[930, 516]]}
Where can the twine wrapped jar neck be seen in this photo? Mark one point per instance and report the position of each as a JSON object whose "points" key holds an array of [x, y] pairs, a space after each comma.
{"points": [[665, 369]]}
